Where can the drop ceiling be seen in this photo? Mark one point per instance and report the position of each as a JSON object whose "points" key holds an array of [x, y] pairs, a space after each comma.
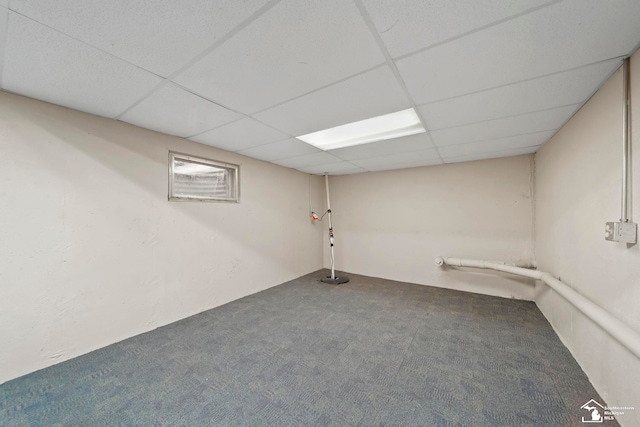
{"points": [[488, 78]]}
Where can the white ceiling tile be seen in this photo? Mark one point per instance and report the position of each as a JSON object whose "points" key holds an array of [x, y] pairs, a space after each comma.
{"points": [[175, 111], [302, 67], [291, 147], [392, 146], [315, 159], [239, 135], [509, 126], [498, 144], [405, 165], [492, 155], [570, 87], [371, 94], [342, 168], [394, 159], [414, 24], [43, 64], [565, 35], [294, 48], [160, 36]]}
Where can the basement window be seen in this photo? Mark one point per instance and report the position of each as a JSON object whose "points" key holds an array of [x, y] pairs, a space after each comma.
{"points": [[197, 179]]}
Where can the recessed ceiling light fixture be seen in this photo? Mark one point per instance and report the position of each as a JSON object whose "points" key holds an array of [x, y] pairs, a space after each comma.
{"points": [[388, 126]]}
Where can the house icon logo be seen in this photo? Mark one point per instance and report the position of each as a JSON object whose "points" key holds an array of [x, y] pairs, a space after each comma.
{"points": [[595, 410]]}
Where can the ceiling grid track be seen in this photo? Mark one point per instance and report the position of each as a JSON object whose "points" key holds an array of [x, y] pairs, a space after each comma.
{"points": [[248, 21], [375, 67], [527, 80], [251, 115], [480, 28], [486, 80], [602, 82], [80, 41], [506, 117], [394, 69]]}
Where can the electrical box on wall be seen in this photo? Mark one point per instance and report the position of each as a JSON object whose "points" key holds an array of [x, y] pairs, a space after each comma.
{"points": [[625, 232]]}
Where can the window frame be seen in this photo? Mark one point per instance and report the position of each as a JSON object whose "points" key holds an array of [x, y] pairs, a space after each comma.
{"points": [[204, 161]]}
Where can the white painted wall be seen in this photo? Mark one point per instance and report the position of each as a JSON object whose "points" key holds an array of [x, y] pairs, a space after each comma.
{"points": [[393, 224], [578, 178], [92, 252]]}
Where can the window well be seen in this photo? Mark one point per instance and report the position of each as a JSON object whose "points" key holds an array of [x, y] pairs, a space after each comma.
{"points": [[196, 179]]}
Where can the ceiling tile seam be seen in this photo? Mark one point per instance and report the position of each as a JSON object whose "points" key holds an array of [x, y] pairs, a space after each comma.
{"points": [[305, 155], [288, 157], [276, 159], [395, 166], [145, 96], [382, 155], [477, 141], [244, 116], [496, 152], [507, 117], [340, 172], [3, 42], [342, 80], [84, 43], [374, 32], [331, 164], [604, 80], [251, 115], [502, 137], [264, 144], [229, 35], [417, 163], [241, 26], [116, 117], [142, 98], [311, 166], [481, 28], [542, 76], [336, 173], [354, 165], [308, 154]]}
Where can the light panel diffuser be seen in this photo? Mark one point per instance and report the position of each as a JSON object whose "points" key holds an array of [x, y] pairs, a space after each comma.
{"points": [[388, 126]]}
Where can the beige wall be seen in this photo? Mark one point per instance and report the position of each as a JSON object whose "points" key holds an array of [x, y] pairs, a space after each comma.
{"points": [[393, 224], [92, 252], [578, 179]]}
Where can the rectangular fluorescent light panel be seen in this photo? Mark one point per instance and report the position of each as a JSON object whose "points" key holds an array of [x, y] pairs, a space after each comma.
{"points": [[388, 126]]}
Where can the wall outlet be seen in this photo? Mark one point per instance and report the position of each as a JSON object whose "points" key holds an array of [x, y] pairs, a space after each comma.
{"points": [[625, 232]]}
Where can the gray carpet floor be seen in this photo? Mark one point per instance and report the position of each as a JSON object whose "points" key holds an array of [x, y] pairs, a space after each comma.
{"points": [[371, 352]]}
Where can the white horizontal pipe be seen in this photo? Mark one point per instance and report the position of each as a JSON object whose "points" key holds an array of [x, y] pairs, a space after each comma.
{"points": [[625, 335]]}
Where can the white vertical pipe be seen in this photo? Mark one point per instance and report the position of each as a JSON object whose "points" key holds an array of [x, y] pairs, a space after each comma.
{"points": [[326, 184], [626, 125]]}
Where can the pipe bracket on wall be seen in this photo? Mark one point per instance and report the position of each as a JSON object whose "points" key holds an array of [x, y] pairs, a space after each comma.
{"points": [[625, 230]]}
